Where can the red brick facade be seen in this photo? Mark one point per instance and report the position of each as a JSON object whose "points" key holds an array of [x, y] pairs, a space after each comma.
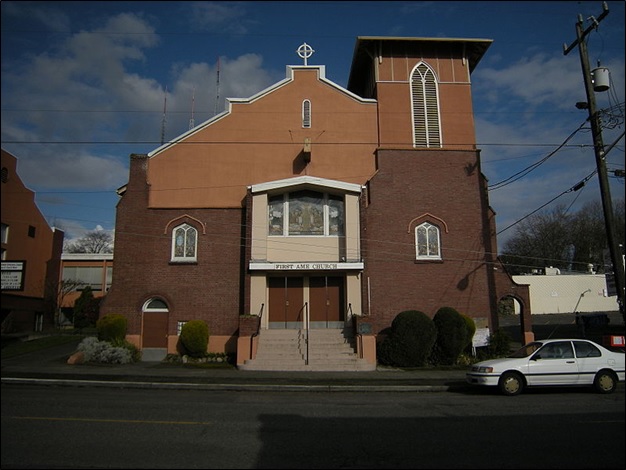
{"points": [[210, 289], [360, 146]]}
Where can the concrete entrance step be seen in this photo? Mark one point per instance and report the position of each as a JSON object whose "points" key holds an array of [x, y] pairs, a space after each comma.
{"points": [[286, 350]]}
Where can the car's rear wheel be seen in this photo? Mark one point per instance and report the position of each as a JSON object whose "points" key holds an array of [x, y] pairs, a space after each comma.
{"points": [[605, 382], [511, 383]]}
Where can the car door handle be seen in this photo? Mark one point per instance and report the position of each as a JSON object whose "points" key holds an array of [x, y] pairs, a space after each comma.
{"points": [[570, 362]]}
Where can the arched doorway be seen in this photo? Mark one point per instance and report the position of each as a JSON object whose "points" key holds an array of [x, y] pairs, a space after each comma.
{"points": [[510, 312], [155, 315]]}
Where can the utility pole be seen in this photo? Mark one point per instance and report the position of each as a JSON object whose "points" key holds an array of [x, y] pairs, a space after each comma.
{"points": [[598, 146]]}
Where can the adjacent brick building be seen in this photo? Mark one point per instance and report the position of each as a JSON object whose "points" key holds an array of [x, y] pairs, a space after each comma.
{"points": [[310, 202], [31, 256]]}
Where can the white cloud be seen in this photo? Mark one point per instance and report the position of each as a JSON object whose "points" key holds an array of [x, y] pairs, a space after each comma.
{"points": [[228, 17], [84, 92], [524, 112]]}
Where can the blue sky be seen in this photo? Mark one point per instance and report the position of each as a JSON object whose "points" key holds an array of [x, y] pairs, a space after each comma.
{"points": [[84, 86]]}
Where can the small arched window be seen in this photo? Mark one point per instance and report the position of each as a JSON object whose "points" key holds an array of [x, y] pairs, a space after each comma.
{"points": [[184, 243], [155, 305], [306, 114], [427, 243]]}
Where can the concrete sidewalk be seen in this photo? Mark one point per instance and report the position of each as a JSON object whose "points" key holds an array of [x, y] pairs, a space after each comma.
{"points": [[50, 367]]}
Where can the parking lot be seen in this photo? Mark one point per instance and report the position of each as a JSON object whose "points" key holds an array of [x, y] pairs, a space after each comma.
{"points": [[565, 325]]}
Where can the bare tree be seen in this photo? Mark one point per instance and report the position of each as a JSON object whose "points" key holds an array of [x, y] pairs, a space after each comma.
{"points": [[539, 242], [589, 234], [562, 240], [97, 241], [58, 292]]}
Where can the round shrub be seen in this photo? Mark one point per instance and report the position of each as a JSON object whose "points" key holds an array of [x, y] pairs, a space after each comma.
{"points": [[194, 337], [103, 352], [134, 351], [112, 327], [470, 324], [452, 334], [499, 343], [410, 340]]}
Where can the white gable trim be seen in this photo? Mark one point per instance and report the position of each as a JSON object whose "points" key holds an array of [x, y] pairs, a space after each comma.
{"points": [[305, 180]]}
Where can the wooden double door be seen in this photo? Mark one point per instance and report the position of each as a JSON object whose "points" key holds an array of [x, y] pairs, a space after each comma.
{"points": [[290, 298]]}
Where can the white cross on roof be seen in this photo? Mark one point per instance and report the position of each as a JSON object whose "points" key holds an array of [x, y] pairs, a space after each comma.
{"points": [[305, 51]]}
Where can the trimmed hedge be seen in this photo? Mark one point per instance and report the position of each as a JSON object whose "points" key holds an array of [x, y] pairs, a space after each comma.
{"points": [[452, 336], [112, 327], [194, 337], [471, 330], [410, 340]]}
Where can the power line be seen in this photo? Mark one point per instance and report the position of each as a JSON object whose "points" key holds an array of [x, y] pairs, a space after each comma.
{"points": [[576, 187], [534, 166]]}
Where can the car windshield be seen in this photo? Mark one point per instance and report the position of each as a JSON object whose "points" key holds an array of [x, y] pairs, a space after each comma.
{"points": [[526, 350]]}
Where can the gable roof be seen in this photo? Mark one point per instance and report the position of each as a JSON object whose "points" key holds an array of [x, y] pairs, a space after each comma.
{"points": [[291, 69]]}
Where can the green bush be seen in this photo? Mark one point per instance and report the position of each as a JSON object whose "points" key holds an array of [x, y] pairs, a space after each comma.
{"points": [[112, 327], [410, 340], [499, 344], [104, 352], [86, 309], [471, 331], [134, 351], [194, 337], [452, 334]]}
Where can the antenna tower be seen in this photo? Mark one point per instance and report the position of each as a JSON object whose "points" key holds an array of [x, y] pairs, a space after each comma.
{"points": [[193, 101], [163, 120], [217, 87]]}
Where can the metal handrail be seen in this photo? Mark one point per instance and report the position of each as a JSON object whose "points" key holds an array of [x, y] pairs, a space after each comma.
{"points": [[258, 330], [307, 328], [304, 315], [357, 335]]}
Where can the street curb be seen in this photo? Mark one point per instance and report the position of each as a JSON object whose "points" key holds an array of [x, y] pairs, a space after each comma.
{"points": [[226, 387]]}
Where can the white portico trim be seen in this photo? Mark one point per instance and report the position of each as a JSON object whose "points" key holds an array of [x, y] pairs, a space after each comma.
{"points": [[294, 183]]}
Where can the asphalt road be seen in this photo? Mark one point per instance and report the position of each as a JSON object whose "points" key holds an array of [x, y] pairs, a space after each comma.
{"points": [[86, 427]]}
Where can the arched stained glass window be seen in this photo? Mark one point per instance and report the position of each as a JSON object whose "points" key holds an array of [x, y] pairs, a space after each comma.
{"points": [[184, 243], [427, 243]]}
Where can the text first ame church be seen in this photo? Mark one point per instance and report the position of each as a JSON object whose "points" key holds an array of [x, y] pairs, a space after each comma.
{"points": [[310, 212]]}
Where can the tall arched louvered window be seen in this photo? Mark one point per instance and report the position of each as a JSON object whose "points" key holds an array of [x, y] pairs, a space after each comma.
{"points": [[306, 114], [425, 101]]}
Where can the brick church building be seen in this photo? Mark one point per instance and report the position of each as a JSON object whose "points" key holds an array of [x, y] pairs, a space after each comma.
{"points": [[311, 207]]}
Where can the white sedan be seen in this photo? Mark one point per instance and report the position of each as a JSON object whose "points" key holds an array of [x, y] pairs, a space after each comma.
{"points": [[560, 362]]}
